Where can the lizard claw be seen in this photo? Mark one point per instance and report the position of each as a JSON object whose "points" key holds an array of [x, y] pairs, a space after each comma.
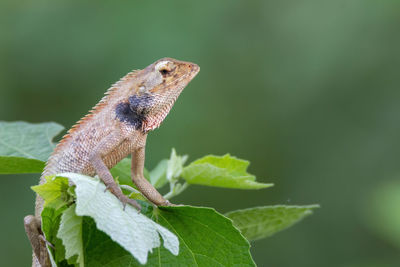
{"points": [[105, 190], [125, 200], [169, 204]]}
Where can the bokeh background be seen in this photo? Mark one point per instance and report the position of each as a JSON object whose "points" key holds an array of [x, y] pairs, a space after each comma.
{"points": [[307, 90]]}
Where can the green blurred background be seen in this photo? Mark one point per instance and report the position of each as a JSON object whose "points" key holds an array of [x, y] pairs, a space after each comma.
{"points": [[308, 91]]}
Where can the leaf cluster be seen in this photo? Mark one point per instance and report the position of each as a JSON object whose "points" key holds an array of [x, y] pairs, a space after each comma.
{"points": [[88, 226]]}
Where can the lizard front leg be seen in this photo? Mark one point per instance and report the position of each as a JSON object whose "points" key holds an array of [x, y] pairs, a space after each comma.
{"points": [[105, 147], [138, 179]]}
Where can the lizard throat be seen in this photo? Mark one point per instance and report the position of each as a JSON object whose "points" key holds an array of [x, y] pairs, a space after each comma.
{"points": [[154, 121], [125, 114], [142, 112]]}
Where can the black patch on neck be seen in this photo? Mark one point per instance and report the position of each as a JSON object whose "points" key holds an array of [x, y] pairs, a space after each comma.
{"points": [[134, 112], [125, 114]]}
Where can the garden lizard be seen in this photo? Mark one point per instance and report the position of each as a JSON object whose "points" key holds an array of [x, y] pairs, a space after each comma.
{"points": [[116, 127]]}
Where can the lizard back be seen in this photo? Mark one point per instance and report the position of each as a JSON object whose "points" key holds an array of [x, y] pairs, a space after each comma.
{"points": [[72, 152]]}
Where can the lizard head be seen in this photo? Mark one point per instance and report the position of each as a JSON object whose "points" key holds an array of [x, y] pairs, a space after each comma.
{"points": [[167, 77], [156, 89]]}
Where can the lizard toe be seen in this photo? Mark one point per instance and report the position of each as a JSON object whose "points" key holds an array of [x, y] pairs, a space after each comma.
{"points": [[125, 200]]}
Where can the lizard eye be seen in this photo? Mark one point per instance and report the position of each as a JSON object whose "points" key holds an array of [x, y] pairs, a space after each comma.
{"points": [[164, 71]]}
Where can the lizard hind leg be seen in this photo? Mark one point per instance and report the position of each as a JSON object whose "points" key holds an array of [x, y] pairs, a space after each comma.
{"points": [[38, 242]]}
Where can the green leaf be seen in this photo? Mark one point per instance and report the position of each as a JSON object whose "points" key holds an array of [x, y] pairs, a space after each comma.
{"points": [[24, 147], [12, 165], [206, 238], [28, 140], [261, 222], [70, 232], [175, 166], [55, 191], [56, 194], [221, 171], [130, 229], [50, 223], [122, 172], [158, 176], [382, 212]]}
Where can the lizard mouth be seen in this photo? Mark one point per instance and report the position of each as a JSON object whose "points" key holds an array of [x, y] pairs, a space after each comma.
{"points": [[195, 70]]}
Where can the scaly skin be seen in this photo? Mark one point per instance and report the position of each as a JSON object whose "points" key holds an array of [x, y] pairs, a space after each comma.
{"points": [[116, 127]]}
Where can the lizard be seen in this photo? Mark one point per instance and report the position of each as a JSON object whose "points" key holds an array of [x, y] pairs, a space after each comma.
{"points": [[116, 127]]}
